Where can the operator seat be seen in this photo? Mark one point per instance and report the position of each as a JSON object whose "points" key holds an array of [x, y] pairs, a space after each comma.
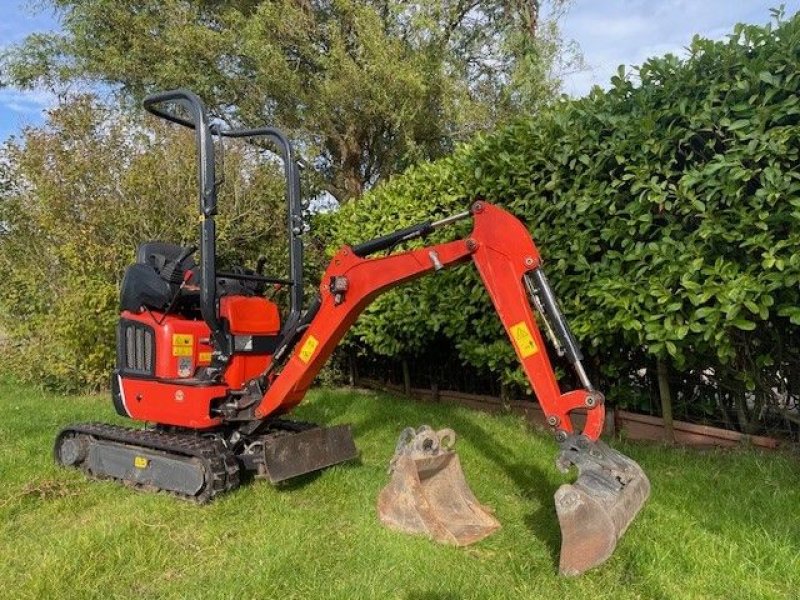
{"points": [[156, 277]]}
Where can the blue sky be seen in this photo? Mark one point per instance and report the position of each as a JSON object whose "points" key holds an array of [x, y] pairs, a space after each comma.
{"points": [[615, 32], [609, 32], [17, 108]]}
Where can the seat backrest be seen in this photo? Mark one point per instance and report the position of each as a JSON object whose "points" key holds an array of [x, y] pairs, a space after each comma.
{"points": [[142, 286], [163, 254], [156, 254]]}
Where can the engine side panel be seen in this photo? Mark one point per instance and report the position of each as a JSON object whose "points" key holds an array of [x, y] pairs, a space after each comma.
{"points": [[158, 357], [178, 347], [171, 403]]}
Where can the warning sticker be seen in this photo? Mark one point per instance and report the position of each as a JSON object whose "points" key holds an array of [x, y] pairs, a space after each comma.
{"points": [[307, 351], [204, 357], [524, 340], [182, 339], [182, 344], [140, 462], [184, 366]]}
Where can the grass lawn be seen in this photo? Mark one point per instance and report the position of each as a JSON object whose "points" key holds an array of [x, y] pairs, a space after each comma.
{"points": [[720, 524]]}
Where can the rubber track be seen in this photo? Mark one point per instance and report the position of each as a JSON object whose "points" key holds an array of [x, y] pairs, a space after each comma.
{"points": [[221, 466]]}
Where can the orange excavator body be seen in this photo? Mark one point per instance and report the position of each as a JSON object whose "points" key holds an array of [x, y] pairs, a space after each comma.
{"points": [[203, 357]]}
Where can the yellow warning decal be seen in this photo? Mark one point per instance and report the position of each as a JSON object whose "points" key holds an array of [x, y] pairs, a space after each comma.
{"points": [[182, 339], [524, 340], [140, 462], [204, 357], [307, 351], [182, 344]]}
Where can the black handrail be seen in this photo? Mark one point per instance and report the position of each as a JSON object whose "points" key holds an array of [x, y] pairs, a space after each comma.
{"points": [[203, 138], [204, 141], [295, 210], [208, 203]]}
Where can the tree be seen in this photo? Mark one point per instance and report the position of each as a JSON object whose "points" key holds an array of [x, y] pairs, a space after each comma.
{"points": [[80, 194], [367, 87]]}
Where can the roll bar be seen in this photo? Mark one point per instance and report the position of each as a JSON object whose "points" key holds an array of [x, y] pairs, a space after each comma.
{"points": [[204, 141], [294, 211]]}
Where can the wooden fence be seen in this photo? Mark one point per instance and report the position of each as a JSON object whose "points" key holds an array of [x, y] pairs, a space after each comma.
{"points": [[627, 424]]}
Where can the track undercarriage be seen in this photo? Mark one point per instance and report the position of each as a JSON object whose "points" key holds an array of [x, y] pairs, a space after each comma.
{"points": [[199, 466]]}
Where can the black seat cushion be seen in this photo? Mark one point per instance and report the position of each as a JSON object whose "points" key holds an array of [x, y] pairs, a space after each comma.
{"points": [[155, 279], [163, 254]]}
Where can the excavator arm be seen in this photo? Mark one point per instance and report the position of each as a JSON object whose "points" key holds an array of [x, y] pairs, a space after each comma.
{"points": [[610, 489], [510, 267]]}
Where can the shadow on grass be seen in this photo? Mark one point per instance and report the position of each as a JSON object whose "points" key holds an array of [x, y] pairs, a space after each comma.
{"points": [[531, 481], [247, 478], [299, 482]]}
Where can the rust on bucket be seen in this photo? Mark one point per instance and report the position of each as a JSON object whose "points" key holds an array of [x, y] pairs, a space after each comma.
{"points": [[428, 494], [595, 511]]}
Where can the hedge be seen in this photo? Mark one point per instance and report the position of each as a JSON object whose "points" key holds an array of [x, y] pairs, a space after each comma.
{"points": [[668, 212]]}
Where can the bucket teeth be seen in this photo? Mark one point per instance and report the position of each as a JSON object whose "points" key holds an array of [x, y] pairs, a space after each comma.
{"points": [[428, 494], [595, 511]]}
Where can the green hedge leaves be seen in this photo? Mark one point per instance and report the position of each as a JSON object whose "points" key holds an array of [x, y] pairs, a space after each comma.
{"points": [[667, 210]]}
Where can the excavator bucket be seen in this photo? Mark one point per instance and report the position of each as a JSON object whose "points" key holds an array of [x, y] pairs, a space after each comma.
{"points": [[596, 510], [428, 494]]}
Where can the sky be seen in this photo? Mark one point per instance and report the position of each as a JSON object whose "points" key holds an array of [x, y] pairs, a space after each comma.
{"points": [[626, 32], [609, 33]]}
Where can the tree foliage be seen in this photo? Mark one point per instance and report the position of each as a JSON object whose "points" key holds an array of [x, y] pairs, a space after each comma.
{"points": [[668, 213], [370, 87], [81, 194]]}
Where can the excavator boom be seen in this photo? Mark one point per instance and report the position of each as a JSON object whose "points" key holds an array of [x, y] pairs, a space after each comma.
{"points": [[507, 260]]}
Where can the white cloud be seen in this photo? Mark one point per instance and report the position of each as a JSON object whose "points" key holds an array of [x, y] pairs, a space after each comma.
{"points": [[27, 102], [20, 109], [627, 32]]}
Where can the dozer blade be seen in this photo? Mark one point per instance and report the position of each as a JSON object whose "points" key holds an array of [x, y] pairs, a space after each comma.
{"points": [[290, 455], [596, 510], [428, 494]]}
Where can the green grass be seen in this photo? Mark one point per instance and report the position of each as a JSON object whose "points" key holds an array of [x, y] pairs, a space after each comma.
{"points": [[718, 525]]}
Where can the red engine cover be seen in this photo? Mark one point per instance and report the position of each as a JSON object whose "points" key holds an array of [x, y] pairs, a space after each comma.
{"points": [[165, 390], [170, 403], [248, 315]]}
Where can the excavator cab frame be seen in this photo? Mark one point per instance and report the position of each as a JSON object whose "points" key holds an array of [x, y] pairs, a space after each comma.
{"points": [[205, 129]]}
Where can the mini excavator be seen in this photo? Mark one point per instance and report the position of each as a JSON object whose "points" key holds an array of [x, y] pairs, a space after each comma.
{"points": [[205, 360]]}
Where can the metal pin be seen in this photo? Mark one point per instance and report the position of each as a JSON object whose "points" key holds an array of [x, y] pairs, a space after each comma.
{"points": [[450, 219]]}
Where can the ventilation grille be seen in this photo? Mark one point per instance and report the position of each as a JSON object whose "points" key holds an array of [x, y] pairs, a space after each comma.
{"points": [[135, 349]]}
